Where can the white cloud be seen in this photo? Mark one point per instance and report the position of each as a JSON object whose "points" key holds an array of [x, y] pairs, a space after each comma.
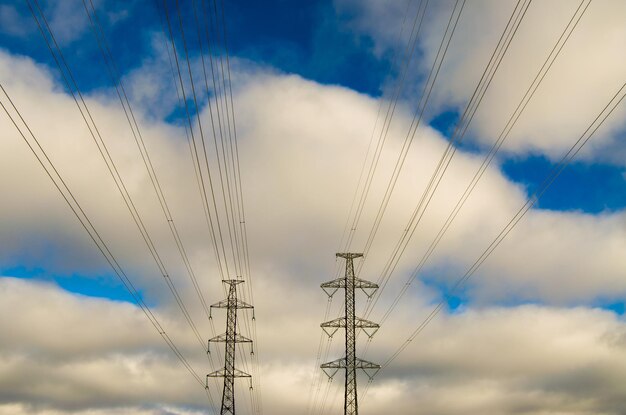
{"points": [[70, 352], [584, 78], [19, 409], [529, 359], [301, 146]]}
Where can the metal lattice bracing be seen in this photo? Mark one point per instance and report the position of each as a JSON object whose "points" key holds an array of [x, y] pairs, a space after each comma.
{"points": [[350, 323], [231, 338]]}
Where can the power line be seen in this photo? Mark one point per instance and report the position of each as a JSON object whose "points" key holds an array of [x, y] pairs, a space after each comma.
{"points": [[429, 84], [487, 76], [239, 197], [349, 229], [103, 150], [458, 134], [125, 103], [114, 73], [560, 43], [391, 107], [554, 53], [222, 260], [219, 120], [428, 87], [229, 150], [86, 223], [93, 129], [205, 154], [193, 148], [233, 204], [530, 202], [199, 179]]}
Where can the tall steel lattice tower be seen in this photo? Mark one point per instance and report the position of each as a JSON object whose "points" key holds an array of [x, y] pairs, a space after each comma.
{"points": [[231, 338], [350, 323]]}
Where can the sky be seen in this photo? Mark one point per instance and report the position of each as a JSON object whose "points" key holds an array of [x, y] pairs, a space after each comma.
{"points": [[343, 110]]}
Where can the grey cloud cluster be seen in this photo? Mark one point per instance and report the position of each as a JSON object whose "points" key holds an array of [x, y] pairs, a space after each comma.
{"points": [[70, 353], [531, 360]]}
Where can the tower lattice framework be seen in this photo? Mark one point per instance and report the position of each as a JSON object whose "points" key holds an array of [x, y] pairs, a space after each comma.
{"points": [[231, 338], [350, 323]]}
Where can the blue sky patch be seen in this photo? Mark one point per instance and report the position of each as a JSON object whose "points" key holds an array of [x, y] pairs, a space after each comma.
{"points": [[446, 123], [455, 300], [618, 308], [305, 38], [590, 188], [100, 286]]}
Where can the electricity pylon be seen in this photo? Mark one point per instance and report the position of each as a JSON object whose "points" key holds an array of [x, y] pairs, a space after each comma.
{"points": [[231, 338], [350, 323]]}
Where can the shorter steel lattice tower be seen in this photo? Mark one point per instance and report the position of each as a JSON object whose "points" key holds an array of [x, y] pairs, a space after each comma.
{"points": [[350, 323], [231, 338]]}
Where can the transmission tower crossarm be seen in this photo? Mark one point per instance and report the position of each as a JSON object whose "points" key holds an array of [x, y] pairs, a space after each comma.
{"points": [[222, 373], [359, 323], [238, 338], [369, 327], [366, 366], [335, 364], [331, 368], [341, 364], [331, 287], [238, 304]]}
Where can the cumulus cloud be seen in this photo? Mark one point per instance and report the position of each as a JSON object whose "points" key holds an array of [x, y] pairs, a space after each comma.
{"points": [[588, 72], [528, 359], [18, 409], [72, 353], [301, 147]]}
